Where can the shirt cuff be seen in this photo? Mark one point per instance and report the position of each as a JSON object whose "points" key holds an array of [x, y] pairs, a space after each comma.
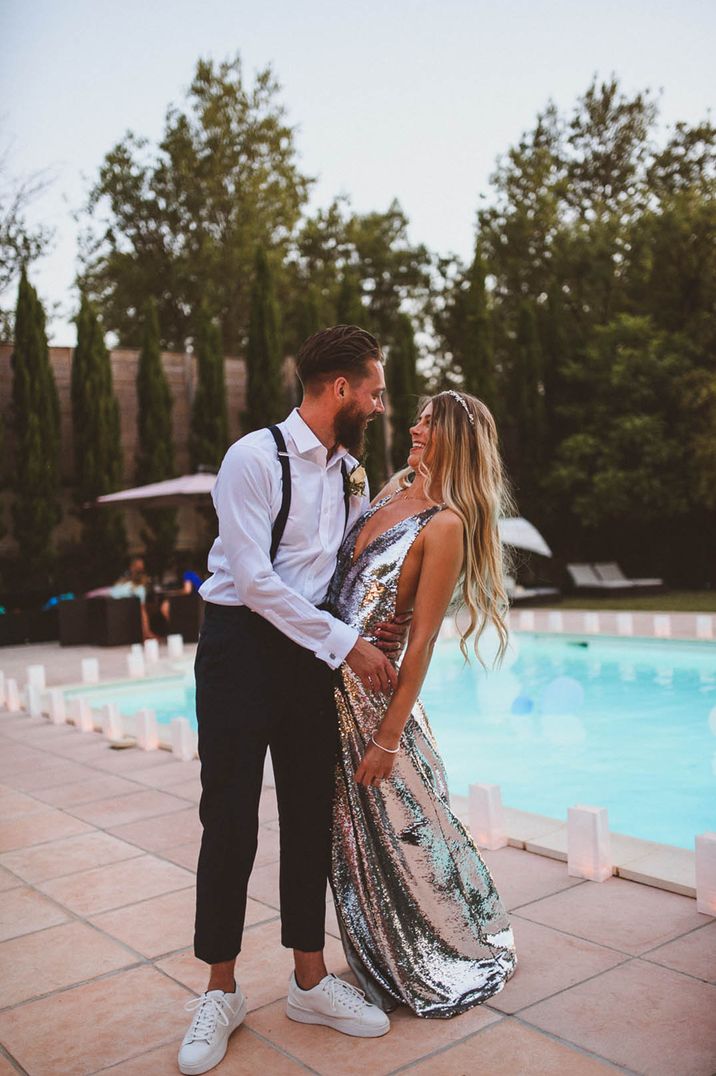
{"points": [[338, 644]]}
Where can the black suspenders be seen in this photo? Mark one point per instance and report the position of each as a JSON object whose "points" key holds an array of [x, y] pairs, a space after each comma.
{"points": [[279, 524]]}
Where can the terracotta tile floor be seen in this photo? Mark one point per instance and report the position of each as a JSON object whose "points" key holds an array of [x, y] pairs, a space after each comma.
{"points": [[97, 854]]}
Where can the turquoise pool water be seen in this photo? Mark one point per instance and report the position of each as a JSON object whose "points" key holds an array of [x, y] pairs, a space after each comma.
{"points": [[625, 724]]}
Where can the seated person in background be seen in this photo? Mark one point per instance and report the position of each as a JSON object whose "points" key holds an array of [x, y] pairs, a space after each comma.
{"points": [[186, 580], [191, 580], [135, 583]]}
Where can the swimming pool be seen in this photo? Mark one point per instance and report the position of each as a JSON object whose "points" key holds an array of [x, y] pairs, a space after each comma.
{"points": [[625, 724]]}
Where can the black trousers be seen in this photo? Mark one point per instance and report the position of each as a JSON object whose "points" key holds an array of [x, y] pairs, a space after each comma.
{"points": [[255, 688]]}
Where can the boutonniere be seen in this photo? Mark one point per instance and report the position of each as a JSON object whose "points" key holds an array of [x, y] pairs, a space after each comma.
{"points": [[356, 481]]}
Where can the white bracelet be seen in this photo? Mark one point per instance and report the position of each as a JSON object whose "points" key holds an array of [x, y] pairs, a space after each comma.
{"points": [[388, 750]]}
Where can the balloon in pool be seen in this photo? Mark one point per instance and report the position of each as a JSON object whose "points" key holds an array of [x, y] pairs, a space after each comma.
{"points": [[562, 695], [522, 705]]}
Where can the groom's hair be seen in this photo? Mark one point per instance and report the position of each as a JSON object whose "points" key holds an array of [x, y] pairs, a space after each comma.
{"points": [[341, 350]]}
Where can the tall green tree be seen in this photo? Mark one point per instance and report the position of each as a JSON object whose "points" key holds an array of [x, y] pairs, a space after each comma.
{"points": [[349, 306], [97, 449], [402, 384], [155, 445], [209, 435], [20, 244], [478, 359], [180, 220], [36, 430], [343, 254], [528, 409], [266, 396]]}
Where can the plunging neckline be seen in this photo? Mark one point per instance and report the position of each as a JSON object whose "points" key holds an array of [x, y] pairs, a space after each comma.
{"points": [[354, 560]]}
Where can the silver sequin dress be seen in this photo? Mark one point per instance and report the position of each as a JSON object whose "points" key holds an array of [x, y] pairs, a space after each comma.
{"points": [[420, 917]]}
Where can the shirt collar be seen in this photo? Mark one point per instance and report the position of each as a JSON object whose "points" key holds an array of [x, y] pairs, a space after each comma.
{"points": [[306, 441]]}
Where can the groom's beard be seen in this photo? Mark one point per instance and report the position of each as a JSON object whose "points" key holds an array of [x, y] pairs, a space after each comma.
{"points": [[350, 425]]}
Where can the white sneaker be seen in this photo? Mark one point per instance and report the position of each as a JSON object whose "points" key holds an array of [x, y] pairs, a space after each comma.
{"points": [[336, 1004], [216, 1016]]}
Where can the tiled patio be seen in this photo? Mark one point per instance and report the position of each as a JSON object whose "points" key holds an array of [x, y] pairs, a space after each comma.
{"points": [[97, 851]]}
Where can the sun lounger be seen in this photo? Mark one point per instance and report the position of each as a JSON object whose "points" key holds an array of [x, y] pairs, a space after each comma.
{"points": [[611, 572], [535, 595], [585, 578], [520, 595]]}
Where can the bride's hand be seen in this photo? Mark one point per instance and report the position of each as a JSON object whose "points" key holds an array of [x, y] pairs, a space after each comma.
{"points": [[374, 766], [390, 634]]}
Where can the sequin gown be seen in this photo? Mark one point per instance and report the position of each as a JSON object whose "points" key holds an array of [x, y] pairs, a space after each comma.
{"points": [[421, 920]]}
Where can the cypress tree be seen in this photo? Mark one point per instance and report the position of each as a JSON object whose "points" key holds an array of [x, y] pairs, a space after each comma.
{"points": [[36, 426], [155, 450], [478, 363], [308, 315], [265, 394], [98, 450], [349, 308], [529, 404], [350, 311], [402, 381], [209, 435]]}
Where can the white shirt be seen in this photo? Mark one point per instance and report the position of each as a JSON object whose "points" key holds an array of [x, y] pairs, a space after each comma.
{"points": [[247, 498]]}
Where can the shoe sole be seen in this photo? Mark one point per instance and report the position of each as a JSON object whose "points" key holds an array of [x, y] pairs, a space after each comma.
{"points": [[213, 1060], [301, 1016]]}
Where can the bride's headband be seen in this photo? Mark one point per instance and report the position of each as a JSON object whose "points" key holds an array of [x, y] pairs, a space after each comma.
{"points": [[458, 397]]}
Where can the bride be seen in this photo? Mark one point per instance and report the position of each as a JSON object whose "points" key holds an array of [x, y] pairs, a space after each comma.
{"points": [[421, 920]]}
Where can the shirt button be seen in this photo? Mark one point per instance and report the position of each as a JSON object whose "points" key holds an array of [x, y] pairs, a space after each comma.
{"points": [[332, 657]]}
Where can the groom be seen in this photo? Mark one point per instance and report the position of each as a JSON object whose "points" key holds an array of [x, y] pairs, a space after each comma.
{"points": [[284, 498]]}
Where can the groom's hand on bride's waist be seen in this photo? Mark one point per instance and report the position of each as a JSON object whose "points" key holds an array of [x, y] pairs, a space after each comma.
{"points": [[391, 634], [372, 667]]}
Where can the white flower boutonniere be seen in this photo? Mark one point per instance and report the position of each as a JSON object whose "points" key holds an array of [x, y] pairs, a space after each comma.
{"points": [[356, 481]]}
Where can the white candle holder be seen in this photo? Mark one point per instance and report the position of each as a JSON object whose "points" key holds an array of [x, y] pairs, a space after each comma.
{"points": [[625, 624], [706, 873], [112, 722], [57, 708], [151, 651], [591, 623], [81, 714], [90, 671], [135, 666], [36, 676], [175, 646], [704, 626], [137, 649], [588, 843], [183, 739], [662, 626], [12, 696], [487, 822], [555, 621], [147, 732], [34, 700], [527, 620]]}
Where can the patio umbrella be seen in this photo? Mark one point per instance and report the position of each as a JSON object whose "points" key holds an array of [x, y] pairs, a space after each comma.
{"points": [[167, 494], [515, 531], [522, 534]]}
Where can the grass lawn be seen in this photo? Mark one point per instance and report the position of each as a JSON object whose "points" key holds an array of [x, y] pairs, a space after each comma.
{"points": [[670, 601]]}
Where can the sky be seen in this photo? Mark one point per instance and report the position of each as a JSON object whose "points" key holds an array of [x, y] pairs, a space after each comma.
{"points": [[394, 99]]}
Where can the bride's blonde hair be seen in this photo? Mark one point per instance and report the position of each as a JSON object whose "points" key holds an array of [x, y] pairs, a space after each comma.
{"points": [[462, 468]]}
